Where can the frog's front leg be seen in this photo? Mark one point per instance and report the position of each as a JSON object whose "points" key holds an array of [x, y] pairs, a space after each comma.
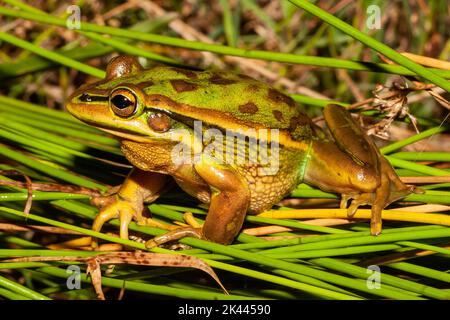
{"points": [[353, 165], [128, 202], [229, 202]]}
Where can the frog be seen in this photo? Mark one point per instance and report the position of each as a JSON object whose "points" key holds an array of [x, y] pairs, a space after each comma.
{"points": [[162, 114]]}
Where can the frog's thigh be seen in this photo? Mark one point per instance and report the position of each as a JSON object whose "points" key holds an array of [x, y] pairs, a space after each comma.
{"points": [[350, 137], [357, 166], [230, 198], [334, 170], [350, 163]]}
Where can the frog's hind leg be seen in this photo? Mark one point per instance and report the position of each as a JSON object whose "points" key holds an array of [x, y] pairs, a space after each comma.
{"points": [[360, 172], [351, 139]]}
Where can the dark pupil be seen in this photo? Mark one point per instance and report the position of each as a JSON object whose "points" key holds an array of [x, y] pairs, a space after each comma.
{"points": [[121, 102]]}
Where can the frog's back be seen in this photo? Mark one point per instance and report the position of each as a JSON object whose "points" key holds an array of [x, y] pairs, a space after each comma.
{"points": [[221, 99], [225, 100]]}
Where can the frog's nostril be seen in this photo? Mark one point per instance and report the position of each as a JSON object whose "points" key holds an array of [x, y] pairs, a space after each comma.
{"points": [[85, 98]]}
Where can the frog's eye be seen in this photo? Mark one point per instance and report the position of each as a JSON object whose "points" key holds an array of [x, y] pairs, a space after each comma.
{"points": [[158, 122], [123, 103]]}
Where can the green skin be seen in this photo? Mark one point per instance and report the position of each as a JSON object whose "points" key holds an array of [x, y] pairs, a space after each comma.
{"points": [[146, 109]]}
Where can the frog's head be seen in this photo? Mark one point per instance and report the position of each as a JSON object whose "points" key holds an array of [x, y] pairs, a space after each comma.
{"points": [[118, 104]]}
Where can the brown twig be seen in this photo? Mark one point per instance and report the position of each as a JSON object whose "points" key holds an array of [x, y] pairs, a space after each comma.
{"points": [[424, 179], [16, 228], [27, 185], [50, 187], [133, 258]]}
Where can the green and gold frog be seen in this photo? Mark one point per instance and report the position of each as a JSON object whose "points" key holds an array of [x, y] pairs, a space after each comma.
{"points": [[178, 124]]}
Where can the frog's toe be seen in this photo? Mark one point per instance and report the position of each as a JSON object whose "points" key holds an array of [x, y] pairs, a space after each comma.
{"points": [[149, 222], [360, 200], [344, 201], [174, 235], [388, 191], [376, 221], [125, 218], [357, 200], [365, 199], [401, 193], [194, 230], [103, 217], [190, 220], [117, 208]]}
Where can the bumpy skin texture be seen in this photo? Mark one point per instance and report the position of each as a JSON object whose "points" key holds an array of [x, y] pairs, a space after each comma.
{"points": [[146, 108]]}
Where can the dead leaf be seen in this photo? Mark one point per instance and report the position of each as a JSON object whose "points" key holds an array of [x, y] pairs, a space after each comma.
{"points": [[134, 258]]}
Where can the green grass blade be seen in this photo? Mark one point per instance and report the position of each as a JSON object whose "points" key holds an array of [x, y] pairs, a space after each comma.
{"points": [[21, 290], [372, 43], [220, 49]]}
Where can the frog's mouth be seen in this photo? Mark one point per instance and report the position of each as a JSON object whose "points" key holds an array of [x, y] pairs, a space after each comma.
{"points": [[99, 116], [132, 136]]}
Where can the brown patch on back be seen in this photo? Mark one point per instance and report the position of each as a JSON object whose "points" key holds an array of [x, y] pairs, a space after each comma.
{"points": [[188, 73], [297, 121], [191, 111], [249, 108], [145, 84], [244, 76], [278, 115], [252, 88], [217, 79], [133, 150], [183, 86], [277, 97]]}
